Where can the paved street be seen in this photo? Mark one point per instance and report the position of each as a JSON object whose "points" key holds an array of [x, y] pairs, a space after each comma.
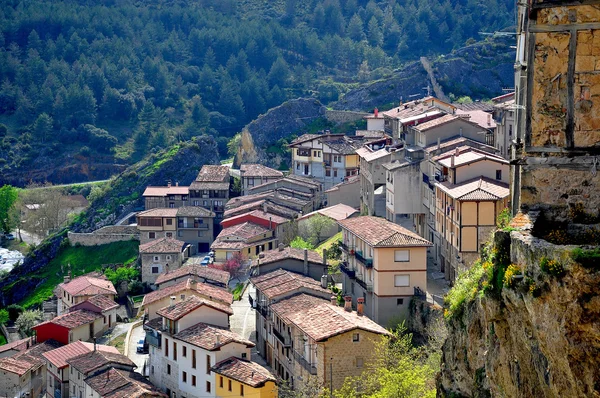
{"points": [[243, 320], [137, 334]]}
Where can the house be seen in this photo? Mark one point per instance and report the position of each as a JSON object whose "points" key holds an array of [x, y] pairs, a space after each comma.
{"points": [[346, 192], [72, 292], [10, 349], [24, 374], [238, 377], [164, 297], [334, 213], [192, 269], [171, 196], [296, 187], [115, 382], [77, 325], [375, 121], [156, 224], [281, 226], [301, 261], [211, 189], [58, 369], [278, 200], [403, 194], [101, 305], [257, 174], [384, 264], [160, 255], [248, 239], [504, 115]]}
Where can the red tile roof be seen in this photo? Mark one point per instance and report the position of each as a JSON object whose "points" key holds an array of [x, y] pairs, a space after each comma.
{"points": [[213, 173], [18, 345], [198, 288], [165, 191], [159, 212], [163, 245], [210, 337], [29, 359], [103, 303], [272, 256], [378, 232], [179, 310], [73, 319], [246, 372], [258, 170], [118, 383], [193, 270], [88, 286], [236, 237], [16, 366], [281, 282], [260, 214], [479, 188], [90, 361], [59, 356]]}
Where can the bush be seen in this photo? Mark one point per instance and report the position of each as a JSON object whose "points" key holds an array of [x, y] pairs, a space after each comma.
{"points": [[587, 258], [512, 270], [465, 289], [552, 267], [14, 311], [299, 243]]}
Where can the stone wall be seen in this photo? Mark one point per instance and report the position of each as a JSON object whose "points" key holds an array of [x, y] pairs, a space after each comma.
{"points": [[104, 235], [340, 117]]}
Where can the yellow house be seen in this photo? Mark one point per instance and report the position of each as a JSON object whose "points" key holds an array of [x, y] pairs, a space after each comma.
{"points": [[248, 239], [237, 377]]}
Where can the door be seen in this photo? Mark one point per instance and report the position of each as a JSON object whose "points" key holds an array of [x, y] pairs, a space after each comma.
{"points": [[306, 169], [203, 247]]}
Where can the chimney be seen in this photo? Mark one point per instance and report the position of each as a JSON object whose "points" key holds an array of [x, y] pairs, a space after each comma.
{"points": [[176, 183], [348, 303], [166, 268], [173, 298], [306, 262], [457, 151], [324, 258], [281, 246], [439, 144], [452, 161], [264, 207], [489, 119], [360, 306], [324, 281], [334, 300], [376, 112], [94, 344], [270, 222], [169, 184]]}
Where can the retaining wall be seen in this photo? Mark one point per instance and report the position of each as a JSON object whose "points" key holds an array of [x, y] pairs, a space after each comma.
{"points": [[102, 236], [340, 117]]}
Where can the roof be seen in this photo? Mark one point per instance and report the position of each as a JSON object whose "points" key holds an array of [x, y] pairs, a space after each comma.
{"points": [[159, 212], [348, 180], [210, 337], [258, 204], [18, 345], [192, 270], [272, 256], [504, 97], [335, 212], [213, 173], [320, 319], [416, 107], [258, 170], [30, 359], [482, 118], [259, 213], [166, 191], [203, 289], [77, 200], [72, 320], [16, 366], [310, 137], [438, 122], [480, 188], [59, 356], [466, 155], [209, 185], [163, 245], [477, 105], [243, 371], [118, 383], [379, 232], [182, 308], [103, 303], [194, 211], [304, 180], [370, 155], [236, 236], [86, 285], [281, 282], [90, 361], [455, 141], [398, 163]]}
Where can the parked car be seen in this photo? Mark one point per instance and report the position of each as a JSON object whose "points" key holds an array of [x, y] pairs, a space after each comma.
{"points": [[212, 255], [142, 347], [9, 236], [205, 261]]}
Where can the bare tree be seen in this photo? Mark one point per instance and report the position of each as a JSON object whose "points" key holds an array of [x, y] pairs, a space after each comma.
{"points": [[45, 209]]}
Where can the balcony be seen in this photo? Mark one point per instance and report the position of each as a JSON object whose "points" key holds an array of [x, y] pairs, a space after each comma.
{"points": [[309, 366], [154, 341], [346, 270], [327, 163], [368, 262], [368, 286], [345, 247], [192, 226], [263, 309], [284, 338]]}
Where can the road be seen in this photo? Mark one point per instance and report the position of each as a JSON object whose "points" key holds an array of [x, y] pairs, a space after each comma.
{"points": [[243, 320], [137, 334]]}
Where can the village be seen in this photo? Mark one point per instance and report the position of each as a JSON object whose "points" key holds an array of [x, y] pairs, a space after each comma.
{"points": [[293, 282]]}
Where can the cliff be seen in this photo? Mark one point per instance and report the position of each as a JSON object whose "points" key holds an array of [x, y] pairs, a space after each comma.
{"points": [[529, 329]]}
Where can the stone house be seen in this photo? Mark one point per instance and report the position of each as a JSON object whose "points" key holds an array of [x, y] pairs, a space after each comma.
{"points": [[75, 291], [160, 255], [253, 175], [384, 264], [171, 196], [346, 192], [281, 201], [295, 187], [211, 189], [192, 269], [248, 239], [300, 261]]}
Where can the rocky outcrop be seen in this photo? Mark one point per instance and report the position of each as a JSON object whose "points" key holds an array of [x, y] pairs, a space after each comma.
{"points": [[537, 338]]}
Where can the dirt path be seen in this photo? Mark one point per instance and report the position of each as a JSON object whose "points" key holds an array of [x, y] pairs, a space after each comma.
{"points": [[437, 89]]}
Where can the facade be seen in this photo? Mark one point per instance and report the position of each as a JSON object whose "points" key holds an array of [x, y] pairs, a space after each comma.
{"points": [[160, 255], [247, 239], [211, 189], [75, 291], [384, 264], [166, 197], [253, 175], [403, 194], [291, 187], [376, 121], [373, 178], [334, 213], [346, 192], [239, 378], [81, 325], [301, 261], [192, 269], [504, 115], [101, 305]]}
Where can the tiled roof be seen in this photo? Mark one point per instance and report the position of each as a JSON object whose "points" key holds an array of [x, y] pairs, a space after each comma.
{"points": [[397, 164], [321, 320], [210, 337], [210, 185], [281, 282], [271, 207], [336, 212], [59, 356], [346, 145], [272, 256], [479, 188], [102, 302], [179, 310], [88, 286], [348, 180], [504, 97], [165, 191], [30, 359], [260, 214], [18, 345], [473, 106], [194, 211], [213, 173], [72, 320], [258, 170], [163, 245], [246, 372], [454, 142], [379, 232], [304, 180], [236, 236], [118, 383], [310, 137], [90, 361], [437, 122], [159, 212], [465, 155], [199, 288], [482, 118], [16, 366], [370, 155], [193, 270]]}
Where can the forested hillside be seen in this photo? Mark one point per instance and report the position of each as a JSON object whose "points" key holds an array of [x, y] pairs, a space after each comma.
{"points": [[102, 83]]}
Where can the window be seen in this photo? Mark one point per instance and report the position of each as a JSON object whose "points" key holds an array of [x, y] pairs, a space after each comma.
{"points": [[208, 364], [355, 337], [166, 347], [155, 270], [184, 351], [193, 359], [152, 369], [168, 369], [244, 355], [359, 362], [221, 381], [169, 256], [401, 255], [169, 234], [184, 377], [151, 235], [229, 385], [169, 221], [193, 381], [498, 174], [196, 203], [399, 301], [174, 351], [156, 259], [184, 197], [182, 297], [401, 280], [335, 172], [327, 172], [241, 390]]}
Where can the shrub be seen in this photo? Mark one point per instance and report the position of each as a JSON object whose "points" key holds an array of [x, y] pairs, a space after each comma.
{"points": [[14, 311], [465, 289], [503, 220], [299, 243], [552, 267], [511, 271], [587, 258]]}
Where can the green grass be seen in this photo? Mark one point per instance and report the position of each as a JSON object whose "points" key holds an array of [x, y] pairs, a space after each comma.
{"points": [[327, 246], [238, 291], [83, 259], [2, 339], [138, 299], [228, 160]]}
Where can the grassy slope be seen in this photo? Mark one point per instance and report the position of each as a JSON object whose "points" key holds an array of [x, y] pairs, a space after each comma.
{"points": [[82, 259], [327, 245]]}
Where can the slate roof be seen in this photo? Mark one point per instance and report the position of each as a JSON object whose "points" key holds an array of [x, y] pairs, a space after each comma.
{"points": [[193, 270], [282, 282], [182, 308], [210, 337], [378, 232], [86, 285], [202, 289], [72, 320], [90, 361], [166, 191], [103, 303], [194, 211], [118, 383], [479, 188], [273, 256], [336, 212], [243, 371], [159, 212], [163, 245], [59, 356], [236, 236], [258, 170], [321, 320]]}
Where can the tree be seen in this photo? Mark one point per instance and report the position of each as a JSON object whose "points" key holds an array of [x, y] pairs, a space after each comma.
{"points": [[27, 320], [232, 265], [299, 243], [46, 208], [42, 127], [355, 28], [279, 73], [8, 197], [314, 228], [127, 274], [14, 311]]}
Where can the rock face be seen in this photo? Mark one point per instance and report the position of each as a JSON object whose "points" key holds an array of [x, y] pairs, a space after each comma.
{"points": [[539, 338]]}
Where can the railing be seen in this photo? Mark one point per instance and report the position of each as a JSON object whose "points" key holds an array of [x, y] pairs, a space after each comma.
{"points": [[153, 341], [57, 393], [368, 286], [310, 367], [263, 309], [345, 269], [285, 339], [327, 162], [368, 262], [190, 226]]}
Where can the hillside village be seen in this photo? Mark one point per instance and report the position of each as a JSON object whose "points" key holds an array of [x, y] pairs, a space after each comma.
{"points": [[237, 301]]}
